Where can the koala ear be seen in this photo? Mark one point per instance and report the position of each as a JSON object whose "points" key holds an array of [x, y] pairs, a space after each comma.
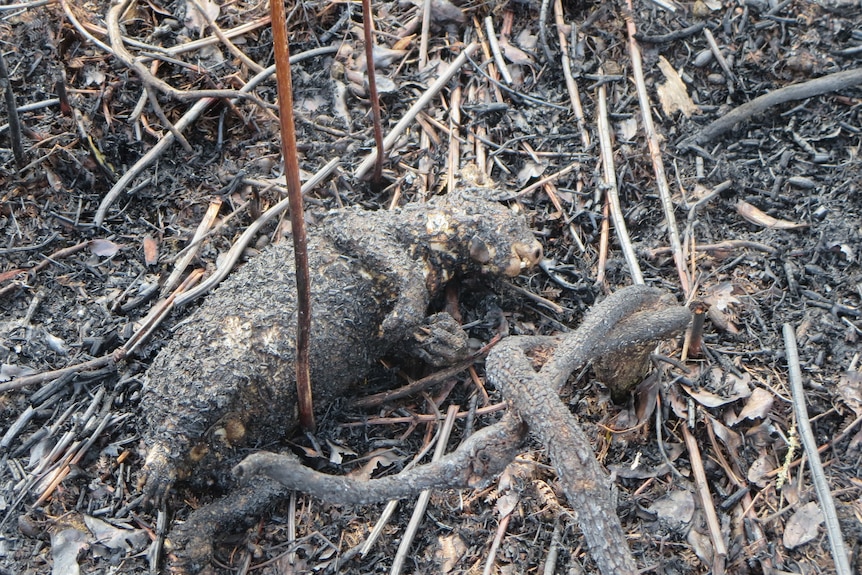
{"points": [[479, 252]]}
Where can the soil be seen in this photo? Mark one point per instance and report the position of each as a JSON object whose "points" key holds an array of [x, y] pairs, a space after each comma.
{"points": [[768, 213]]}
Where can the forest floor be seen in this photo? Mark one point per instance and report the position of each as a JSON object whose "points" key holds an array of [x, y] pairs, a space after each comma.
{"points": [[767, 222]]}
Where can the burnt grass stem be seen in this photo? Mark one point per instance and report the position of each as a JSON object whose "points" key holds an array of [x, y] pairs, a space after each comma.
{"points": [[12, 113], [372, 90], [297, 220]]}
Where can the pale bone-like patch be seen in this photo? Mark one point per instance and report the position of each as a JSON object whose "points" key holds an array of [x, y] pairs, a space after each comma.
{"points": [[236, 331]]}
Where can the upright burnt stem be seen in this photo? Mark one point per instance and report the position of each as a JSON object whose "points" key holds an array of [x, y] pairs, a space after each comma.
{"points": [[367, 25], [12, 114], [294, 191]]}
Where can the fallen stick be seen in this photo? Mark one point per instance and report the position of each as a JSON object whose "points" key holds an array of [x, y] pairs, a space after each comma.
{"points": [[630, 318], [627, 320], [479, 459], [654, 145], [816, 87], [809, 443]]}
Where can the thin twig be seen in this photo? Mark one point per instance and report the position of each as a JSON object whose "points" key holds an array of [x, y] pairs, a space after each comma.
{"points": [[153, 98], [25, 5], [716, 51], [367, 26], [604, 243], [495, 50], [423, 40], [543, 32], [12, 115], [415, 387], [32, 107], [417, 106], [187, 119], [118, 49], [61, 253], [654, 145], [491, 559], [252, 65], [809, 89], [821, 485], [80, 28], [297, 216], [719, 548], [454, 138], [424, 417], [671, 36], [571, 86], [727, 245], [203, 228], [425, 496], [392, 505], [237, 248], [34, 247], [514, 92], [547, 179], [610, 186], [40, 378]]}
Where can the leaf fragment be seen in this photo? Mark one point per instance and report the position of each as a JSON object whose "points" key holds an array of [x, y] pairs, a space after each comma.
{"points": [[673, 94], [761, 218], [803, 526], [104, 248]]}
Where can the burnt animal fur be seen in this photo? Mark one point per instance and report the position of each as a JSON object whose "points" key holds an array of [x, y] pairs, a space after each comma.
{"points": [[227, 376]]}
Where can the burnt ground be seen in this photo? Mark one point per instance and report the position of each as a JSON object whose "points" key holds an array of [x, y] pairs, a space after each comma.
{"points": [[794, 261]]}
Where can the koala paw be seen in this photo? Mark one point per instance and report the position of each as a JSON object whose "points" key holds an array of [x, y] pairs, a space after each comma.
{"points": [[440, 341]]}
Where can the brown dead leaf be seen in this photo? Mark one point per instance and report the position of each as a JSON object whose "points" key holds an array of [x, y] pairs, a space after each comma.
{"points": [[9, 274], [527, 40], [337, 452], [151, 250], [104, 248], [850, 390], [757, 406], [628, 129], [529, 171], [803, 525], [378, 459], [675, 510], [507, 503], [760, 218], [758, 471], [720, 300], [673, 94], [678, 402], [450, 551], [733, 388], [53, 180], [197, 22], [118, 538], [404, 43], [727, 436], [721, 296], [701, 544], [385, 57], [790, 492], [514, 54]]}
